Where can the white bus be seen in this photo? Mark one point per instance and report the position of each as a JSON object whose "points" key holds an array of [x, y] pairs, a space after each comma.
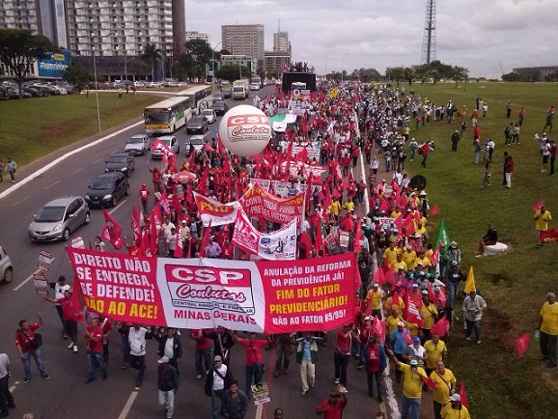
{"points": [[200, 96], [167, 116]]}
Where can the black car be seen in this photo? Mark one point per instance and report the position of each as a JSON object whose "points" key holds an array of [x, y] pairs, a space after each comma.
{"points": [[196, 125], [106, 190], [120, 162], [220, 107]]}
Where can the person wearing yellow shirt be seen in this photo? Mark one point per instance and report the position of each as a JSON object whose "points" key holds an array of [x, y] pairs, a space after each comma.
{"points": [[445, 384], [413, 379], [409, 257], [421, 229], [428, 313], [436, 350], [349, 205], [399, 264], [429, 253], [454, 409], [393, 321], [390, 254], [335, 208], [542, 218], [548, 328], [396, 303], [374, 299]]}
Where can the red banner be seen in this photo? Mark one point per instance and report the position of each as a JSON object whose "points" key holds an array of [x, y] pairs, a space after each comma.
{"points": [[257, 202]]}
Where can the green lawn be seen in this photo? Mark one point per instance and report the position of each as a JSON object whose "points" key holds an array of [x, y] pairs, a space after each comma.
{"points": [[31, 128], [514, 285]]}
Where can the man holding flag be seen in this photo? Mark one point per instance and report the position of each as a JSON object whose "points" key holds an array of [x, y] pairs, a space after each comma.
{"points": [[473, 307]]}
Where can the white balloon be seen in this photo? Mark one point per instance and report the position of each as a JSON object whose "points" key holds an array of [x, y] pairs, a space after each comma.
{"points": [[245, 130]]}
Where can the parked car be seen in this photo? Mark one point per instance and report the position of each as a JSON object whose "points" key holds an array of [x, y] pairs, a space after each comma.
{"points": [[158, 145], [209, 115], [120, 162], [58, 219], [6, 267], [196, 125], [137, 145], [107, 190], [33, 91], [197, 141], [220, 107], [155, 84], [139, 83]]}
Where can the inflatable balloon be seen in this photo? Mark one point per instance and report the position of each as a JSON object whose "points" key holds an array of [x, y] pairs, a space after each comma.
{"points": [[245, 130]]}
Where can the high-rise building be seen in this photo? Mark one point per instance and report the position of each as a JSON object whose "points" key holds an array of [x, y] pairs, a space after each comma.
{"points": [[125, 27], [45, 17], [244, 40], [191, 35], [275, 63], [281, 42]]}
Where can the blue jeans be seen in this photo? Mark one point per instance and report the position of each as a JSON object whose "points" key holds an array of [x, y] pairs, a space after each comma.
{"points": [[26, 359], [203, 360], [95, 360], [410, 408], [254, 375], [452, 292]]}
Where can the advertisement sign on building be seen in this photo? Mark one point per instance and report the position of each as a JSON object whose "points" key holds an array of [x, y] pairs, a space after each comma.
{"points": [[53, 64]]}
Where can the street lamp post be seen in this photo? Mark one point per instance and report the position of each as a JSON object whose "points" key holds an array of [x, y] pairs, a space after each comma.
{"points": [[96, 84], [213, 65]]}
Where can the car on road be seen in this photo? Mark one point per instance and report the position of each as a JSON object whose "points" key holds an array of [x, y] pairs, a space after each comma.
{"points": [[196, 125], [255, 86], [6, 267], [220, 107], [197, 141], [107, 190], [137, 145], [120, 162], [158, 145], [58, 219], [209, 115]]}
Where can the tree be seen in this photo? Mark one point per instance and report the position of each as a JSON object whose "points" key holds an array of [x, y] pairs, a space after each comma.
{"points": [[19, 49], [151, 55], [459, 74], [231, 72], [77, 75]]}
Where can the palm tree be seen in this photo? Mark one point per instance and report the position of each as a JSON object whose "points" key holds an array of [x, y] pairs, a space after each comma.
{"points": [[151, 55]]}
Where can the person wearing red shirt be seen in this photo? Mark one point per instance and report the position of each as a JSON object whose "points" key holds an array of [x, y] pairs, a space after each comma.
{"points": [[28, 343], [254, 359], [333, 407], [342, 355], [204, 353], [94, 339], [375, 365]]}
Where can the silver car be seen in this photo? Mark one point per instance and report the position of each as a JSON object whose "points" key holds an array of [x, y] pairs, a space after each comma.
{"points": [[137, 145], [6, 268], [59, 219]]}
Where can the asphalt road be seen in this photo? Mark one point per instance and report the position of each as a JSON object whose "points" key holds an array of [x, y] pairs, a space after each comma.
{"points": [[66, 395]]}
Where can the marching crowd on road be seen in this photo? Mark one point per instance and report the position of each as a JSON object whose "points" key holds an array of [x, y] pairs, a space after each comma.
{"points": [[410, 281]]}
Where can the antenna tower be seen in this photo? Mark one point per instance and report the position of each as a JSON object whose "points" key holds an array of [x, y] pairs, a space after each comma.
{"points": [[429, 40]]}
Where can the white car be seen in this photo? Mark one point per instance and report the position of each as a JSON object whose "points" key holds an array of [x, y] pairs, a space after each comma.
{"points": [[6, 268], [159, 144], [137, 145], [155, 84], [139, 83], [254, 86], [209, 115]]}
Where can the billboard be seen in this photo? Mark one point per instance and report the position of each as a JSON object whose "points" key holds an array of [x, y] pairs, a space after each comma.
{"points": [[53, 64]]}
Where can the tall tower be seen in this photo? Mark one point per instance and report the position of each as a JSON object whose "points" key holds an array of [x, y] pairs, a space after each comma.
{"points": [[429, 40]]}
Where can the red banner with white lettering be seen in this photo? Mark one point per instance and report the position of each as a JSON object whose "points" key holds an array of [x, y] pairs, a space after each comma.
{"points": [[257, 202], [263, 296]]}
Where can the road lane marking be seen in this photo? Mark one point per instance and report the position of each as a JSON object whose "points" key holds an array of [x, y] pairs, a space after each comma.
{"points": [[118, 206], [56, 182], [29, 278], [60, 159], [128, 406], [12, 388]]}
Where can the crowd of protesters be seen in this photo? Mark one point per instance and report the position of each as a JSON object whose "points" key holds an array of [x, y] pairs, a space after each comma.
{"points": [[410, 282]]}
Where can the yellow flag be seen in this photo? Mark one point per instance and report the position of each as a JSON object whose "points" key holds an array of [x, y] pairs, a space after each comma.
{"points": [[470, 282]]}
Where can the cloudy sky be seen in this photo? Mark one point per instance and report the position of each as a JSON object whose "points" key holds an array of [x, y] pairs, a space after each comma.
{"points": [[486, 36]]}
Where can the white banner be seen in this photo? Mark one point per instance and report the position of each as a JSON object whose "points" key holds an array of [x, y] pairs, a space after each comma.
{"points": [[215, 213], [283, 188], [279, 245]]}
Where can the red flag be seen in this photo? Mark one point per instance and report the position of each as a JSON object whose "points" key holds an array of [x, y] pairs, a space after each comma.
{"points": [[379, 277], [205, 240], [357, 245], [537, 206], [434, 210], [112, 232], [430, 384], [441, 327], [463, 394], [412, 308], [179, 249], [73, 309], [522, 345]]}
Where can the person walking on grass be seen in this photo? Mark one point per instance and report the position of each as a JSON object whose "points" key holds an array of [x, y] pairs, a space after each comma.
{"points": [[508, 169], [473, 308], [486, 174], [549, 119], [455, 138], [548, 329], [445, 385], [542, 217], [11, 167], [454, 409], [477, 151], [553, 148]]}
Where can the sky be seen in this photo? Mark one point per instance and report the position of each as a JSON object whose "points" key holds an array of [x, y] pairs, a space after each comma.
{"points": [[486, 36]]}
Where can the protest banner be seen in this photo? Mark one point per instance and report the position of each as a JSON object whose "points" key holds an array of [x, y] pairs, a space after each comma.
{"points": [[213, 212], [257, 202], [279, 245], [283, 188], [308, 170], [40, 274], [262, 296]]}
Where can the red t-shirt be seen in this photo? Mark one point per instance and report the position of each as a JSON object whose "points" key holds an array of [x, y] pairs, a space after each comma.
{"points": [[24, 338], [332, 411], [344, 342], [253, 348], [95, 339], [202, 341], [373, 358]]}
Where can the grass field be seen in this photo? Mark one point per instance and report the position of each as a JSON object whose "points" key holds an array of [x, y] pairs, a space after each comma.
{"points": [[31, 128], [514, 285]]}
